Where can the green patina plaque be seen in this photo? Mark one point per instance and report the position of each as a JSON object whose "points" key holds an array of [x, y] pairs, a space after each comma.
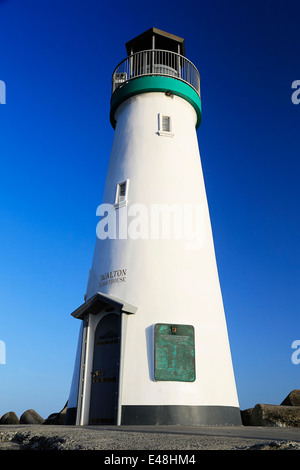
{"points": [[174, 352]]}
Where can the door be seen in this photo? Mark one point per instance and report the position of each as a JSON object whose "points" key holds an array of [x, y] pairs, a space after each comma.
{"points": [[105, 374]]}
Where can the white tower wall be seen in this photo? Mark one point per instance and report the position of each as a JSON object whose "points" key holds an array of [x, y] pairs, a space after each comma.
{"points": [[171, 280]]}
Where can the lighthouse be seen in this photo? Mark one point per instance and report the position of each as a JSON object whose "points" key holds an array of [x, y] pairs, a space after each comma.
{"points": [[153, 345]]}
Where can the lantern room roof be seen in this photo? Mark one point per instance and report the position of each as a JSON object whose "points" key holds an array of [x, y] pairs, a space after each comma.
{"points": [[155, 38]]}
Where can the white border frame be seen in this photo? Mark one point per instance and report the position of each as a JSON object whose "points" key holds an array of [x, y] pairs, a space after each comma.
{"points": [[160, 131], [118, 204]]}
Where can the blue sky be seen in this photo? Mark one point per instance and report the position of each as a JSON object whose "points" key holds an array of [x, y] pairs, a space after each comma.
{"points": [[56, 59]]}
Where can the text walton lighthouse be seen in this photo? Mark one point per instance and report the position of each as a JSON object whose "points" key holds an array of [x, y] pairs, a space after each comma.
{"points": [[153, 345]]}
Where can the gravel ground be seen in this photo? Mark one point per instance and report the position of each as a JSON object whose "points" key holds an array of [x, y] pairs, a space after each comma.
{"points": [[146, 438]]}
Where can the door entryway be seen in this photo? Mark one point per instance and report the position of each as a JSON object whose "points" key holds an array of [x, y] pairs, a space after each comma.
{"points": [[105, 373]]}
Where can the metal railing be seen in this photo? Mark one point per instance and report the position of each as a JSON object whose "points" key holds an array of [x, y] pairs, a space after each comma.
{"points": [[156, 62]]}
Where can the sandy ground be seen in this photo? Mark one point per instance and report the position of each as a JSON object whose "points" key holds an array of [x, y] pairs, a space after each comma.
{"points": [[147, 438]]}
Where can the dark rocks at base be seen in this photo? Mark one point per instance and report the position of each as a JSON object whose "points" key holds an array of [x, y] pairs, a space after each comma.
{"points": [[246, 416], [9, 418], [293, 399], [285, 415], [57, 418], [31, 417], [275, 415], [28, 417]]}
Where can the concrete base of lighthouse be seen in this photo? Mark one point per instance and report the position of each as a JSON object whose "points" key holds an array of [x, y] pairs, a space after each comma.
{"points": [[181, 414], [174, 415]]}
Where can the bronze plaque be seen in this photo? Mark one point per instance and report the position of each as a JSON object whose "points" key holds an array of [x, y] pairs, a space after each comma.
{"points": [[174, 352]]}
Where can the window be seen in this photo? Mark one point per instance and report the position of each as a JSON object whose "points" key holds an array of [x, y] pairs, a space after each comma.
{"points": [[121, 194], [164, 125]]}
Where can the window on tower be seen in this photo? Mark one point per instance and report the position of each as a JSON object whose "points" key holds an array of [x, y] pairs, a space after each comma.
{"points": [[121, 194], [164, 125]]}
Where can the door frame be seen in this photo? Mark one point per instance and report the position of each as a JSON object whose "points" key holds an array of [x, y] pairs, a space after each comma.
{"points": [[86, 364], [90, 313]]}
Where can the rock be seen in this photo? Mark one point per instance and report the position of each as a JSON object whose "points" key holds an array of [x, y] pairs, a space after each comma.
{"points": [[31, 417], [246, 416], [275, 415], [293, 399], [9, 418], [274, 445], [57, 418]]}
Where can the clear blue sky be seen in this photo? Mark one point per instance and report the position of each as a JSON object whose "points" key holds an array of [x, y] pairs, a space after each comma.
{"points": [[56, 59]]}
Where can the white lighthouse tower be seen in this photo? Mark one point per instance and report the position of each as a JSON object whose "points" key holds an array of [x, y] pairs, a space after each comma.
{"points": [[153, 345]]}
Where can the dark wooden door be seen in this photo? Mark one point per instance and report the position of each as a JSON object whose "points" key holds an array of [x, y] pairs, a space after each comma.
{"points": [[105, 375]]}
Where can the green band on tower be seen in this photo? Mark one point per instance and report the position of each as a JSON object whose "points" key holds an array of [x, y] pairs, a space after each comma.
{"points": [[159, 83]]}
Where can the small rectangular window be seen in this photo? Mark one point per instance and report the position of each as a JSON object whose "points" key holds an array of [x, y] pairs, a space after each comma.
{"points": [[165, 125], [121, 194]]}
